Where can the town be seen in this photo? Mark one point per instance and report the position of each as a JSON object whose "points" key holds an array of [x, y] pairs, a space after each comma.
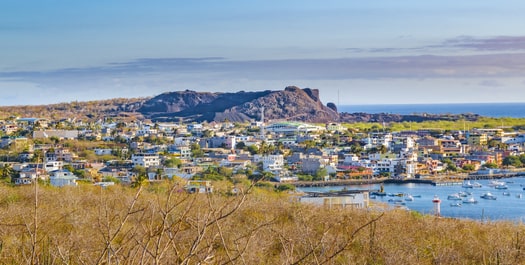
{"points": [[108, 152]]}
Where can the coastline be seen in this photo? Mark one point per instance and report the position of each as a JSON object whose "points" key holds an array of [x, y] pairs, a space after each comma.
{"points": [[440, 180]]}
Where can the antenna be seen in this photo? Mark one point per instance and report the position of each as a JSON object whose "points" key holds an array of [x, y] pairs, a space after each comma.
{"points": [[262, 123]]}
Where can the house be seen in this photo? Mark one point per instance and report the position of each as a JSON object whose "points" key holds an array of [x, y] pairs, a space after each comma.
{"points": [[270, 162], [145, 160], [61, 178], [290, 128], [28, 174], [60, 134], [199, 186]]}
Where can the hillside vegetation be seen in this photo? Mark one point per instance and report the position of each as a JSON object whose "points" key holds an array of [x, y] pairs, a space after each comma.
{"points": [[161, 224]]}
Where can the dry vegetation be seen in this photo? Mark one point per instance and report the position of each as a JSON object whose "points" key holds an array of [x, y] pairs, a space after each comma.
{"points": [[88, 110], [161, 224]]}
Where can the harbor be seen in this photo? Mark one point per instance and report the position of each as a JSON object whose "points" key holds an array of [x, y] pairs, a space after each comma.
{"points": [[506, 204]]}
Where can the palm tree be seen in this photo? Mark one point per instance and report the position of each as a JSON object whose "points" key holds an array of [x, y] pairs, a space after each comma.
{"points": [[6, 172]]}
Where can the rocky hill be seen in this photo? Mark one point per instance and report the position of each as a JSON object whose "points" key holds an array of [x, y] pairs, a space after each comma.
{"points": [[292, 103]]}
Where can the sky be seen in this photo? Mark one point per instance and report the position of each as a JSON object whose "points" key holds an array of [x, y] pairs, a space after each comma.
{"points": [[354, 52]]}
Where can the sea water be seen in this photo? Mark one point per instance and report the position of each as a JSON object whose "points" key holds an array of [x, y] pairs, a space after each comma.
{"points": [[505, 207], [514, 110]]}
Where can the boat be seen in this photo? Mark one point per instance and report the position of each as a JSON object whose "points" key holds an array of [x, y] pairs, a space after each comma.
{"points": [[488, 196], [477, 185], [456, 204], [506, 193], [454, 197], [464, 193], [501, 187], [467, 185], [470, 200], [409, 198], [519, 196], [494, 183], [378, 193]]}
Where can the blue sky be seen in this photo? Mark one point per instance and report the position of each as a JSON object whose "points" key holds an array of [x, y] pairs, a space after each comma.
{"points": [[354, 52]]}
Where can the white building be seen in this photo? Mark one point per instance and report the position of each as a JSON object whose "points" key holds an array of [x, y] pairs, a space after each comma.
{"points": [[145, 160], [293, 128], [61, 178], [270, 162]]}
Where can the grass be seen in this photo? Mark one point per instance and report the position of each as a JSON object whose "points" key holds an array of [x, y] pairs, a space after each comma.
{"points": [[163, 225]]}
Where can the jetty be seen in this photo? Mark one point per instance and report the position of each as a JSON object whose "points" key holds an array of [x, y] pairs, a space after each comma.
{"points": [[338, 182], [439, 180]]}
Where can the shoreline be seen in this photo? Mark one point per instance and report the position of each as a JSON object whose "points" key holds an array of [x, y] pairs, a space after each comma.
{"points": [[444, 180]]}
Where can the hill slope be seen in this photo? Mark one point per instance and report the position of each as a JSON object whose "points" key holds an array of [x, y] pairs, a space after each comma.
{"points": [[291, 103]]}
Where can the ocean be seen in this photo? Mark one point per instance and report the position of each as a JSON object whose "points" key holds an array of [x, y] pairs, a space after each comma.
{"points": [[509, 204], [497, 110]]}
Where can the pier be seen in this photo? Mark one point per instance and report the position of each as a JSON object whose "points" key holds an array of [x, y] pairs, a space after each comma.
{"points": [[456, 180]]}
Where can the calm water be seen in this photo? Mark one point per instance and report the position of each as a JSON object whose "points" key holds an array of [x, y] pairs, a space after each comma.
{"points": [[503, 208], [515, 110]]}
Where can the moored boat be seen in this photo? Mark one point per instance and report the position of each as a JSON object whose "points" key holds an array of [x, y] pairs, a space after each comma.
{"points": [[501, 187], [477, 185], [470, 200], [467, 184], [454, 197], [488, 196], [494, 183]]}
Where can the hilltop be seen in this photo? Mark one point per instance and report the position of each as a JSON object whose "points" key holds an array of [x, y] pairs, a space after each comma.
{"points": [[292, 103]]}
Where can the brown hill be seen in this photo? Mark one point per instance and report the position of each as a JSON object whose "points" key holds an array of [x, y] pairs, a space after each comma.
{"points": [[292, 103]]}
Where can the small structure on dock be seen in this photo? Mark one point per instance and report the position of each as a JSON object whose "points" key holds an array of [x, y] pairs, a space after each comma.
{"points": [[342, 199], [437, 205]]}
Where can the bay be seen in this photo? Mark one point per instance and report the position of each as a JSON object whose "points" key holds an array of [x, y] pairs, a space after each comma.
{"points": [[496, 110], [511, 207]]}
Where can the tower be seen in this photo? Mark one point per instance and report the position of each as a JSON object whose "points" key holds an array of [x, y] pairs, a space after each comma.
{"points": [[262, 123], [437, 205]]}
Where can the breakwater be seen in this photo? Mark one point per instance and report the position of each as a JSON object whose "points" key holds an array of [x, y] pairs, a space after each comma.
{"points": [[345, 182]]}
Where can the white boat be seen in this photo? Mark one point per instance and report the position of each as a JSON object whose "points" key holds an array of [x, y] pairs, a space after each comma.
{"points": [[494, 183], [519, 195], [488, 196], [501, 187], [454, 197], [506, 193], [467, 184], [470, 200], [456, 204], [477, 185], [464, 193], [409, 198]]}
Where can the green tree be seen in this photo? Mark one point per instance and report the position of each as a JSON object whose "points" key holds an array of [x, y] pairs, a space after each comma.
{"points": [[490, 165], [141, 176], [172, 162], [512, 161], [468, 167], [196, 150], [6, 173], [321, 173]]}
